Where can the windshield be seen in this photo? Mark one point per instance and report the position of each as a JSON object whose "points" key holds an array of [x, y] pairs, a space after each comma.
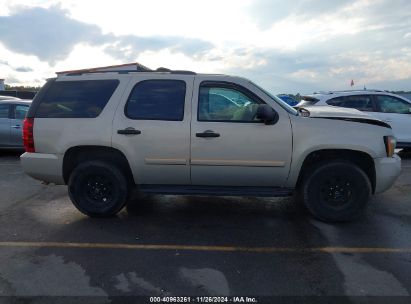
{"points": [[283, 104]]}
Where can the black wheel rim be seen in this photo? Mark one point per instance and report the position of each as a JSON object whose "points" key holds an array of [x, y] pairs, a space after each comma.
{"points": [[337, 191], [98, 189]]}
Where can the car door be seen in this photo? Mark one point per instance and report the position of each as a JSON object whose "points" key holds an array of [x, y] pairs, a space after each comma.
{"points": [[395, 112], [18, 113], [229, 145], [152, 127], [4, 125]]}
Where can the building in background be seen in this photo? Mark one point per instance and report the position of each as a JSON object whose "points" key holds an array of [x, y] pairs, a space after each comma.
{"points": [[2, 87]]}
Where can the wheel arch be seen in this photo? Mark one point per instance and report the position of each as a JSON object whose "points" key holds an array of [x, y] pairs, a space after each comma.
{"points": [[78, 154], [362, 159]]}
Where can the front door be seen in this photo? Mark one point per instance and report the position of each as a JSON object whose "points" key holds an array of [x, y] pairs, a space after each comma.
{"points": [[4, 125], [229, 145], [152, 127]]}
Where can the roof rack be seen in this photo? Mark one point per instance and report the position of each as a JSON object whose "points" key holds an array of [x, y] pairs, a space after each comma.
{"points": [[159, 70]]}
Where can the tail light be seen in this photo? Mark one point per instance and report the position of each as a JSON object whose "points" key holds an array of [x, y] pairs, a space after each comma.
{"points": [[28, 136]]}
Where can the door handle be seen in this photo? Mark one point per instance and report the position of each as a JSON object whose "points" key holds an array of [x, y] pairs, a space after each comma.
{"points": [[129, 131], [16, 127], [208, 134]]}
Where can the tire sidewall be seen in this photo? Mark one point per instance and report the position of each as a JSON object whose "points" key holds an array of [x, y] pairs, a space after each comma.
{"points": [[112, 173], [361, 192]]}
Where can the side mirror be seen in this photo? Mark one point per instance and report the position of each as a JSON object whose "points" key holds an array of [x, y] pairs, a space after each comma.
{"points": [[267, 115]]}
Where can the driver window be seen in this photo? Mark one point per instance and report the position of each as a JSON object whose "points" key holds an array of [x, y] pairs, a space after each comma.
{"points": [[226, 104]]}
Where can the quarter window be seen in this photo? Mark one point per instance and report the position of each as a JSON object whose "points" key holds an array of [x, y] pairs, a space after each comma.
{"points": [[226, 104], [20, 111], [4, 111], [157, 100], [76, 99], [359, 102], [389, 104]]}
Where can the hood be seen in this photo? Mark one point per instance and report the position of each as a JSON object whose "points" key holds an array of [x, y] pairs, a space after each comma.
{"points": [[330, 111], [339, 113]]}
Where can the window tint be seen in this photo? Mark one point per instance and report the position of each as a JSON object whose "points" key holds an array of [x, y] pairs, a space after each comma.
{"points": [[4, 110], [336, 101], [359, 102], [226, 104], [157, 100], [389, 104], [20, 111], [76, 99]]}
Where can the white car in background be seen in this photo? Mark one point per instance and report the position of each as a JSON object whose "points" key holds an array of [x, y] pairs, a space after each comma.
{"points": [[390, 108]]}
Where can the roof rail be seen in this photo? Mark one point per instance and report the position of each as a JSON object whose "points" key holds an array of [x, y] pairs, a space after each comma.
{"points": [[344, 91], [159, 70]]}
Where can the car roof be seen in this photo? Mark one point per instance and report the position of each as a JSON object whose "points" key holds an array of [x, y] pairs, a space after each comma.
{"points": [[160, 71], [6, 97], [321, 96], [16, 101]]}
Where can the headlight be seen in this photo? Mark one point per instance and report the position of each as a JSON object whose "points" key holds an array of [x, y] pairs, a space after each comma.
{"points": [[390, 143]]}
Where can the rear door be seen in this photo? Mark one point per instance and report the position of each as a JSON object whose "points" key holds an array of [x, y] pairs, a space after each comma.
{"points": [[229, 145], [395, 112], [152, 128], [18, 113], [4, 125]]}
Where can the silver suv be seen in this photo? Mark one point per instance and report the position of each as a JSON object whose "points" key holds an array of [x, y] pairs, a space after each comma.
{"points": [[105, 134]]}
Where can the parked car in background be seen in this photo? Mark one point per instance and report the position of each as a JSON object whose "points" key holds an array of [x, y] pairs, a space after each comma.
{"points": [[390, 108], [12, 113], [291, 101], [8, 98]]}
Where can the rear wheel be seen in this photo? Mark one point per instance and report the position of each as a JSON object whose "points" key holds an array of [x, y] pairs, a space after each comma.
{"points": [[336, 191], [98, 189]]}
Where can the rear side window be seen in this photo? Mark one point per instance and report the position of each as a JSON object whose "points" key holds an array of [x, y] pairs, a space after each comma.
{"points": [[336, 102], [76, 99], [359, 102], [20, 111], [157, 100], [4, 110]]}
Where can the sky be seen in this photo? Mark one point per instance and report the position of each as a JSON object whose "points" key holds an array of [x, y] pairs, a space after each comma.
{"points": [[298, 46]]}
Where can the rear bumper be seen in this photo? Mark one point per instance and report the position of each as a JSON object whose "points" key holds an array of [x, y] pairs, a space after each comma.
{"points": [[44, 167], [387, 170]]}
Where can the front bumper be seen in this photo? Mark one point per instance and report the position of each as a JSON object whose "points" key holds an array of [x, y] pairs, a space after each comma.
{"points": [[387, 170], [44, 167]]}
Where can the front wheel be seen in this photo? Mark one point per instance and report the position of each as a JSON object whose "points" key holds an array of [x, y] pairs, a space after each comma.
{"points": [[98, 189], [336, 191]]}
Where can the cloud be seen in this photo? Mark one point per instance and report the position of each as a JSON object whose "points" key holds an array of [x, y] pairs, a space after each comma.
{"points": [[267, 12], [128, 47], [46, 33], [50, 34], [23, 69]]}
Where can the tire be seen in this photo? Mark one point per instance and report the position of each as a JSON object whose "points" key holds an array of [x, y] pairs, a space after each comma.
{"points": [[98, 189], [336, 191]]}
